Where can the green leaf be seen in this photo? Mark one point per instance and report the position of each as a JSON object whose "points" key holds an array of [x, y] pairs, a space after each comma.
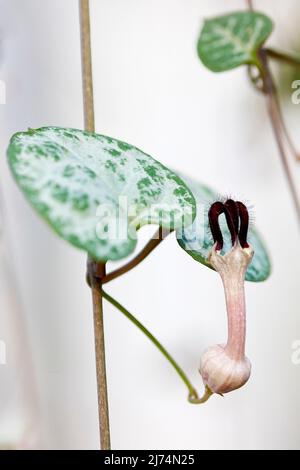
{"points": [[96, 191], [197, 241], [232, 40]]}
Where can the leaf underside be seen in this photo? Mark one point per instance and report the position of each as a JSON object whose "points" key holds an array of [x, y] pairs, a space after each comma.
{"points": [[197, 241], [96, 191], [232, 40]]}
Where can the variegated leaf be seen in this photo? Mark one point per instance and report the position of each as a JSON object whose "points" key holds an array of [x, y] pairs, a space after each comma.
{"points": [[232, 40], [96, 191]]}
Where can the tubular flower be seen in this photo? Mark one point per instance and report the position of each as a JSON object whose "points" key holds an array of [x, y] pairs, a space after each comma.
{"points": [[225, 367]]}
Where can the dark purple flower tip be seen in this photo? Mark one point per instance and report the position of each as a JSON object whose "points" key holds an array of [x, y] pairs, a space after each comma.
{"points": [[216, 209], [237, 219], [244, 224]]}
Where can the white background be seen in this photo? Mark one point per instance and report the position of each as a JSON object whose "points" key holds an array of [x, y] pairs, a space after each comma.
{"points": [[151, 90]]}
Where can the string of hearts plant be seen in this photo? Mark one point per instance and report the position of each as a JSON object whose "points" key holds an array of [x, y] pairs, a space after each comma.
{"points": [[96, 192]]}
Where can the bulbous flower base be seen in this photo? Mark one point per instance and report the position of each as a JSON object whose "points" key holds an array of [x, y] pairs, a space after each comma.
{"points": [[221, 373]]}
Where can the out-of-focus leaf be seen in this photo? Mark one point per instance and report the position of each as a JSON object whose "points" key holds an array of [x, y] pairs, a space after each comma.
{"points": [[232, 40]]}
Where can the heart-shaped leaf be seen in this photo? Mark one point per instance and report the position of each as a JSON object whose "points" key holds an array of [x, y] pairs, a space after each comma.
{"points": [[232, 40], [197, 241], [96, 191]]}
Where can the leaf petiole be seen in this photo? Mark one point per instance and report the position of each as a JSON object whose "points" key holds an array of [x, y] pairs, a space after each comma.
{"points": [[283, 57], [158, 237]]}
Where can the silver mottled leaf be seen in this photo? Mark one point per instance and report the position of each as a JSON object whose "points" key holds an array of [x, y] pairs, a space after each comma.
{"points": [[96, 191]]}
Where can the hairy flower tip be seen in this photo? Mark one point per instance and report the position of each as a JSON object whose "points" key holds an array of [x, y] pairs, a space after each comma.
{"points": [[237, 219]]}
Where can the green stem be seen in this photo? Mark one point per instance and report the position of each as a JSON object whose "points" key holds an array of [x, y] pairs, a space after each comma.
{"points": [[283, 57], [193, 396]]}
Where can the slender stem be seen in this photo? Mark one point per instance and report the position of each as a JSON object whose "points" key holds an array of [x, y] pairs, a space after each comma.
{"points": [[283, 57], [152, 338], [250, 4], [258, 82], [86, 60], [193, 396], [292, 61], [285, 131], [159, 236], [288, 59], [256, 78], [275, 117], [95, 270], [271, 103]]}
